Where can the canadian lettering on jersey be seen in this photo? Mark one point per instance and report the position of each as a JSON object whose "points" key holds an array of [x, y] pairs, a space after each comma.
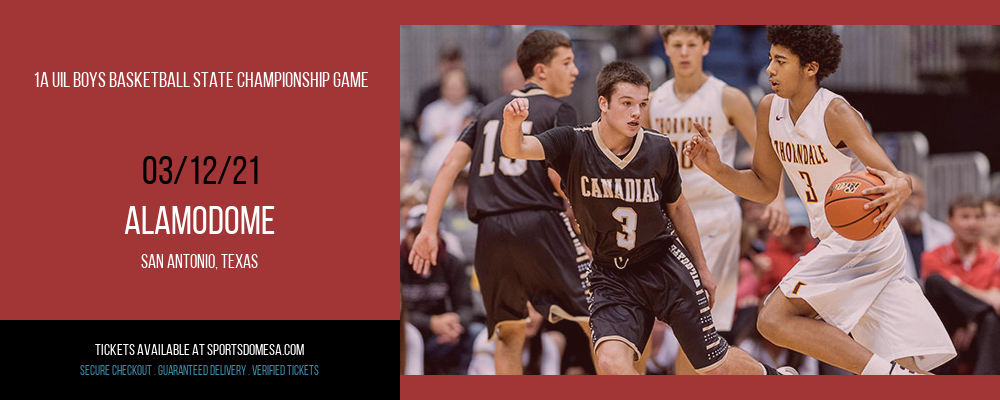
{"points": [[669, 125], [625, 189], [798, 153]]}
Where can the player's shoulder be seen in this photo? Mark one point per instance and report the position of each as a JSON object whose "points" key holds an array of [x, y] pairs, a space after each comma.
{"points": [[732, 93], [838, 107], [655, 138], [654, 133], [571, 130], [764, 105], [582, 129], [537, 96]]}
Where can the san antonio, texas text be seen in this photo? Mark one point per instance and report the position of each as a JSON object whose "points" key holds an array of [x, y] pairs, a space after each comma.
{"points": [[232, 221]]}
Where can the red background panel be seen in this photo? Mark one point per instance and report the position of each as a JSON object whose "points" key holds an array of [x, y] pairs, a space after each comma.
{"points": [[72, 162]]}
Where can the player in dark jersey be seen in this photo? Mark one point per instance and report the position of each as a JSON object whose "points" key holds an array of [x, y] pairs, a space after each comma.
{"points": [[625, 189], [525, 248]]}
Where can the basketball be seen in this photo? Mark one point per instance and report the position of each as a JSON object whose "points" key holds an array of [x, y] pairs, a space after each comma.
{"points": [[845, 206]]}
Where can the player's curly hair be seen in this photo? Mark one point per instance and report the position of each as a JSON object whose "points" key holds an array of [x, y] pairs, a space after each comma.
{"points": [[619, 71], [811, 43]]}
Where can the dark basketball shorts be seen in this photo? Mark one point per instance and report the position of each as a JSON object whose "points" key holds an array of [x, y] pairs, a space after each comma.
{"points": [[665, 285], [530, 255]]}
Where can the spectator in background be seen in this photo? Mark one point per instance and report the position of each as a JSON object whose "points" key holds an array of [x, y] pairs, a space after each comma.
{"points": [[753, 215], [991, 222], [443, 120], [411, 345], [439, 304], [753, 265], [923, 233], [963, 285], [449, 59], [410, 195], [784, 251]]}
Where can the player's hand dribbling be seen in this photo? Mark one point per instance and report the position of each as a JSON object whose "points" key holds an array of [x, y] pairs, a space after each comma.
{"points": [[424, 252], [701, 150], [894, 193], [516, 111]]}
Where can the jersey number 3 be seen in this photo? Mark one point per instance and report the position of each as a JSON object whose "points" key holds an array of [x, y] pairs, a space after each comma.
{"points": [[811, 193], [626, 215], [507, 166]]}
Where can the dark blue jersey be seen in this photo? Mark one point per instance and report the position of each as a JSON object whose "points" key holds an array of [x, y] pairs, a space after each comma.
{"points": [[498, 184]]}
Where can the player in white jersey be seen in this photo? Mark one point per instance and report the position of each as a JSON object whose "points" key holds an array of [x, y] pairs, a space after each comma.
{"points": [[693, 96], [856, 287]]}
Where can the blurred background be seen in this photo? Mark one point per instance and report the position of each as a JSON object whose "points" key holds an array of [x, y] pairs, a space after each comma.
{"points": [[930, 94]]}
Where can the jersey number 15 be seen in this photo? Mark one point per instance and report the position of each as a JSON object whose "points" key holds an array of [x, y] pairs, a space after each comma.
{"points": [[507, 166]]}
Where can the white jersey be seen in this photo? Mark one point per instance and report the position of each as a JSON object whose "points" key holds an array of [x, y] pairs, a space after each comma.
{"points": [[674, 118], [810, 160], [859, 287]]}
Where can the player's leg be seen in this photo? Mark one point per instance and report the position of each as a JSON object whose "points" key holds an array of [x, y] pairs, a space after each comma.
{"points": [[682, 366], [615, 358], [888, 328], [792, 323], [683, 303], [640, 364], [510, 345], [856, 287], [504, 297], [559, 270], [910, 363], [620, 325]]}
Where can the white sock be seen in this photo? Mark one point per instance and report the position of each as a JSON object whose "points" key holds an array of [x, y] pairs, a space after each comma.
{"points": [[877, 366]]}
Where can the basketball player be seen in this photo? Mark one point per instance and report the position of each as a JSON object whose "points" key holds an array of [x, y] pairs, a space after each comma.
{"points": [[690, 96], [859, 287], [525, 248], [623, 183]]}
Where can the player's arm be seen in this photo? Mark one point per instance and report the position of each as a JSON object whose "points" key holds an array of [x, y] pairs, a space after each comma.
{"points": [[760, 183], [844, 124], [680, 213], [512, 140], [737, 107], [425, 246]]}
